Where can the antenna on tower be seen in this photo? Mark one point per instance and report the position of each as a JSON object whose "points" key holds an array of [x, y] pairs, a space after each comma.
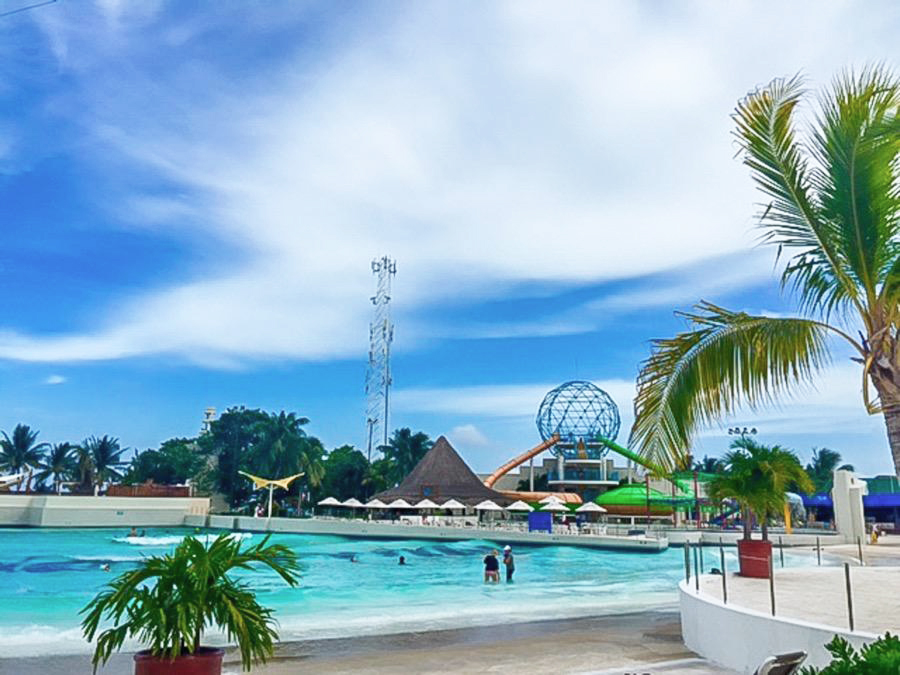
{"points": [[378, 374]]}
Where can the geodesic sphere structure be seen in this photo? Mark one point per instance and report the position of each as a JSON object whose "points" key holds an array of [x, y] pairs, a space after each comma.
{"points": [[579, 412]]}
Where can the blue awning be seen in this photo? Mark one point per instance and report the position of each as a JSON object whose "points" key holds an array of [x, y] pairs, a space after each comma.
{"points": [[881, 501], [817, 501]]}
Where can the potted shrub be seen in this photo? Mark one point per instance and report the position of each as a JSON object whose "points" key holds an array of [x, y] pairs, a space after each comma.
{"points": [[757, 477], [168, 601]]}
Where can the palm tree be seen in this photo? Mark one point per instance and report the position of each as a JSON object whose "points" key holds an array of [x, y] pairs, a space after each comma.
{"points": [[833, 204], [21, 452], [405, 449], [822, 466], [59, 464], [757, 477], [100, 459]]}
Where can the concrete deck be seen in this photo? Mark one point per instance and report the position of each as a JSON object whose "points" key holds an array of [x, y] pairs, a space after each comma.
{"points": [[818, 595]]}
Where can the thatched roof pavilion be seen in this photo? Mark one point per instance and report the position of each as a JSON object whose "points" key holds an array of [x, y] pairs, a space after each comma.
{"points": [[441, 475]]}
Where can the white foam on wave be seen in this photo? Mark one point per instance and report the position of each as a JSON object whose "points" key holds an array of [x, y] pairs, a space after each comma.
{"points": [[106, 558], [176, 539]]}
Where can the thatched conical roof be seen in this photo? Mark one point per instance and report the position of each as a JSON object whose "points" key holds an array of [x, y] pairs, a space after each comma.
{"points": [[441, 475]]}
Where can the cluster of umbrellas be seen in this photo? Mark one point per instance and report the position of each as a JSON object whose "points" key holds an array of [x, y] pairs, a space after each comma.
{"points": [[551, 503], [451, 504]]}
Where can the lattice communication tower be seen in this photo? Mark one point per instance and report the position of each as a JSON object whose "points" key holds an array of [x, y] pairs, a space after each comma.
{"points": [[378, 375]]}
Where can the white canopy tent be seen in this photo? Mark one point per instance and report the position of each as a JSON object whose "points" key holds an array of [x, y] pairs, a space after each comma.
{"points": [[400, 504], [453, 505], [328, 501], [555, 507], [549, 499], [353, 503], [520, 506], [427, 504], [375, 504], [590, 507], [488, 505]]}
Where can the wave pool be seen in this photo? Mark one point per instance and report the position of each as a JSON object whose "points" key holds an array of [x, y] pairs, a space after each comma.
{"points": [[47, 576]]}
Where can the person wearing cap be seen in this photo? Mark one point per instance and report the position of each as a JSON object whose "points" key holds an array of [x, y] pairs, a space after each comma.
{"points": [[510, 563]]}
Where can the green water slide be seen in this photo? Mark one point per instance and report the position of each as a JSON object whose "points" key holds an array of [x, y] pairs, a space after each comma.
{"points": [[634, 457]]}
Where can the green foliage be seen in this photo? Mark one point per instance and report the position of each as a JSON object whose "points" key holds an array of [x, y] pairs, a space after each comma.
{"points": [[103, 457], [821, 468], [176, 461], [881, 657], [168, 601], [345, 472], [229, 440], [833, 206], [58, 464], [381, 475], [757, 477], [21, 452], [405, 449]]}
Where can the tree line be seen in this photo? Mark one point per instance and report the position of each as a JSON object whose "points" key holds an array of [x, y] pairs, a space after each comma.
{"points": [[266, 444]]}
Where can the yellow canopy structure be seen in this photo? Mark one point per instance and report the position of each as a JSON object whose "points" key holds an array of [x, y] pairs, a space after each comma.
{"points": [[260, 483]]}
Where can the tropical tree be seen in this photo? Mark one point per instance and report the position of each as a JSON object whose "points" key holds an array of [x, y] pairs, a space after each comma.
{"points": [[707, 465], [102, 457], [821, 468], [832, 204], [21, 452], [176, 461], [757, 477], [229, 440], [58, 464], [282, 448], [380, 475], [345, 472], [405, 449]]}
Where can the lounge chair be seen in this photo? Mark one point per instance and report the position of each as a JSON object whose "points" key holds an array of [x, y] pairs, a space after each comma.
{"points": [[781, 664]]}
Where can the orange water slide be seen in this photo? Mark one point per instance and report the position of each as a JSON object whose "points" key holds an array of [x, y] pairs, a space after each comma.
{"points": [[521, 459]]}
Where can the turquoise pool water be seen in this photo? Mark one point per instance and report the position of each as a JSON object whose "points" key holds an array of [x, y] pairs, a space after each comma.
{"points": [[47, 575]]}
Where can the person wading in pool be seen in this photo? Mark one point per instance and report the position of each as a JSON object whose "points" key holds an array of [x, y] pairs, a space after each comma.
{"points": [[510, 562], [491, 568]]}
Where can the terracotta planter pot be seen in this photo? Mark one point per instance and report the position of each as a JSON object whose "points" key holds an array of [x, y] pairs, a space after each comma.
{"points": [[205, 661], [754, 556]]}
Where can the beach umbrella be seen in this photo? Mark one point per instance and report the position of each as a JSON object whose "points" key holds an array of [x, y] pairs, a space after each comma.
{"points": [[329, 501], [550, 499], [353, 503], [427, 504], [400, 504], [488, 505], [556, 507], [520, 506], [453, 505], [375, 504], [590, 507]]}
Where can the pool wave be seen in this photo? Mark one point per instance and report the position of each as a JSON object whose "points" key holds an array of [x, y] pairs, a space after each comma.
{"points": [[176, 539]]}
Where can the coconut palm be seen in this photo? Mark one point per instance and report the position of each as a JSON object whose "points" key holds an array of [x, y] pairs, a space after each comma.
{"points": [[822, 466], [405, 449], [22, 452], [283, 448], [99, 460], [59, 464], [833, 206], [757, 477]]}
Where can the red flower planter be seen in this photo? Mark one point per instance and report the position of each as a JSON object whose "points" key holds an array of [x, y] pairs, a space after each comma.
{"points": [[205, 661], [754, 556]]}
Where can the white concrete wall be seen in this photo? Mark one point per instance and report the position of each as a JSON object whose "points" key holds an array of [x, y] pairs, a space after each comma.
{"points": [[847, 494], [87, 511], [741, 639]]}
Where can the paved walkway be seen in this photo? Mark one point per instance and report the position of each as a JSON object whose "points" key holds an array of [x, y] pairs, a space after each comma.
{"points": [[818, 595]]}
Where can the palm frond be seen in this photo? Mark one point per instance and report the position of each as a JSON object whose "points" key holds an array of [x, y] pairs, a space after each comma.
{"points": [[727, 358]]}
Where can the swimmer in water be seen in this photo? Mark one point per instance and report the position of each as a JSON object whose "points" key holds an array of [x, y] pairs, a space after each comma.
{"points": [[143, 533], [402, 560], [105, 567], [133, 532], [353, 558]]}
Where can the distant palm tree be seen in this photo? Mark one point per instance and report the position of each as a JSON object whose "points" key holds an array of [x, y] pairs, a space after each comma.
{"points": [[758, 476], [380, 475], [60, 464], [405, 449], [21, 452], [283, 448], [833, 204], [822, 466], [101, 459], [708, 465]]}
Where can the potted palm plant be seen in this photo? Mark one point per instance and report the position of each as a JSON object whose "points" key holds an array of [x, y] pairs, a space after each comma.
{"points": [[757, 477], [168, 601]]}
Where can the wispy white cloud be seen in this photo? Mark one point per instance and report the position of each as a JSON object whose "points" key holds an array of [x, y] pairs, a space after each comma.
{"points": [[55, 379], [582, 143], [467, 435]]}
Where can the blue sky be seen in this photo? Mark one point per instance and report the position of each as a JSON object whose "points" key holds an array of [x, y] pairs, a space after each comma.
{"points": [[190, 195]]}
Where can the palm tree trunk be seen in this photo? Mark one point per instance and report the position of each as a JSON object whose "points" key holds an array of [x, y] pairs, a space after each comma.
{"points": [[888, 388]]}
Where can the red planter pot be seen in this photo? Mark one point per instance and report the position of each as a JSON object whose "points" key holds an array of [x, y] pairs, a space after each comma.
{"points": [[205, 661], [754, 556]]}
